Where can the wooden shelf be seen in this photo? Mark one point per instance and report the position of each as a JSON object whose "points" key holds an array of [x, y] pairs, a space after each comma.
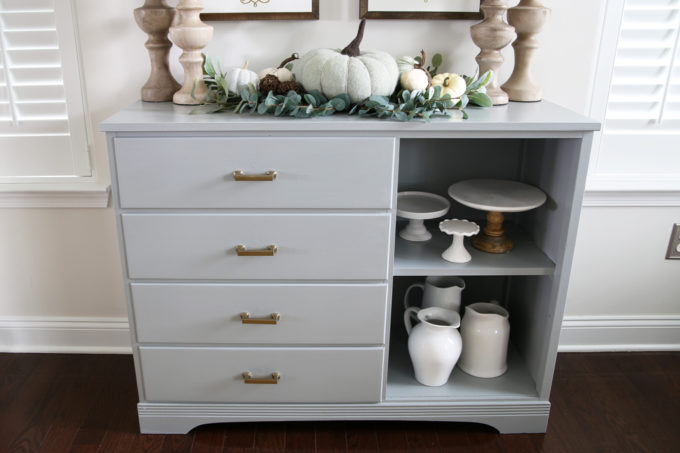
{"points": [[424, 258], [515, 384]]}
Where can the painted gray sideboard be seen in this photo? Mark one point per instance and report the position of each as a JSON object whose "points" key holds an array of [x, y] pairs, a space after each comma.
{"points": [[312, 313]]}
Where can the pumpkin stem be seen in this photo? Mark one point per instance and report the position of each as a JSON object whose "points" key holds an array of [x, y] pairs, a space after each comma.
{"points": [[352, 48], [421, 66], [245, 66], [292, 57]]}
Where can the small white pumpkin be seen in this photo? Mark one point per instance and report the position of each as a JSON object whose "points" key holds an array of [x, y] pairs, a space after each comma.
{"points": [[358, 74], [452, 84], [414, 77], [239, 78], [281, 73], [414, 80]]}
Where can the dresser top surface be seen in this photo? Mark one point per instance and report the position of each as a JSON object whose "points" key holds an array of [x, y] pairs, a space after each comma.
{"points": [[515, 117]]}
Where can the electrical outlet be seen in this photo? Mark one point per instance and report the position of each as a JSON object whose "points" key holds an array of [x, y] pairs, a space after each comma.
{"points": [[673, 252]]}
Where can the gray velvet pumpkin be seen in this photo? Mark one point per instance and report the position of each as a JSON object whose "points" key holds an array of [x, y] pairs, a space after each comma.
{"points": [[358, 74]]}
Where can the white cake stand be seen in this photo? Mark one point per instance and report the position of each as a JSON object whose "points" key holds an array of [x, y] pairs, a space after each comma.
{"points": [[458, 229], [418, 207], [496, 196]]}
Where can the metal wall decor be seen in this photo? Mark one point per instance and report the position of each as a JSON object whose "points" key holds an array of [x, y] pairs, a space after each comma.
{"points": [[260, 10], [420, 9]]}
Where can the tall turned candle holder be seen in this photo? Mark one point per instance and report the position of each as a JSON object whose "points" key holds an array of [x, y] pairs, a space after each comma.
{"points": [[528, 18], [491, 35], [155, 18], [191, 35]]}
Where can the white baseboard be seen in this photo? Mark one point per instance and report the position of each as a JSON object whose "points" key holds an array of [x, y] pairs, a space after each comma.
{"points": [[620, 333], [111, 335], [65, 335]]}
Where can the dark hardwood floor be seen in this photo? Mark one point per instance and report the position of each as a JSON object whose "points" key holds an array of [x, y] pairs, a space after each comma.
{"points": [[613, 402]]}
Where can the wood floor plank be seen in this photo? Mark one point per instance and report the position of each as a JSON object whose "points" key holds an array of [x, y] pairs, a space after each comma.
{"points": [[177, 443], [94, 427], [422, 437], [453, 437], [28, 400], [71, 415], [208, 439], [270, 437], [330, 437], [300, 437], [361, 437], [392, 436]]}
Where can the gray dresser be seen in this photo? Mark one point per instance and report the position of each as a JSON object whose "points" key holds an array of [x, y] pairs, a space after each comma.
{"points": [[261, 261]]}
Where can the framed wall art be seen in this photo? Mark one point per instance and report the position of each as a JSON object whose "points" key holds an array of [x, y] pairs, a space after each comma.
{"points": [[420, 9], [260, 10]]}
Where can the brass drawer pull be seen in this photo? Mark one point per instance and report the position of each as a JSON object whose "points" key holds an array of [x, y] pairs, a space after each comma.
{"points": [[246, 319], [267, 176], [241, 250], [249, 379]]}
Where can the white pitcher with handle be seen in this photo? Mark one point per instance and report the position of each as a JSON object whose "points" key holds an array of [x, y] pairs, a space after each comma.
{"points": [[434, 345], [438, 291], [485, 330]]}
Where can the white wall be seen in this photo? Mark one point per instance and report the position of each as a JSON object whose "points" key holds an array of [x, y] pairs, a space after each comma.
{"points": [[60, 278]]}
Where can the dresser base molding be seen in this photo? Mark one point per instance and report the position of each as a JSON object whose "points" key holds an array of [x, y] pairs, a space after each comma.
{"points": [[513, 417]]}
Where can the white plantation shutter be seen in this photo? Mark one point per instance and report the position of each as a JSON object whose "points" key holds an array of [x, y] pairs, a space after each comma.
{"points": [[643, 108], [42, 123]]}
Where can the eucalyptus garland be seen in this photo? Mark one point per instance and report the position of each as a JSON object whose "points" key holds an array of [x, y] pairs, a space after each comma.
{"points": [[403, 106]]}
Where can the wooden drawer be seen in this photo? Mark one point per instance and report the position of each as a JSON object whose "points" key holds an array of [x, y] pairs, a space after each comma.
{"points": [[307, 375], [309, 314], [354, 173], [310, 246]]}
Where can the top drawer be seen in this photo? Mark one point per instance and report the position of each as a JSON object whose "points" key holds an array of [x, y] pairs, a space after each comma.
{"points": [[197, 172]]}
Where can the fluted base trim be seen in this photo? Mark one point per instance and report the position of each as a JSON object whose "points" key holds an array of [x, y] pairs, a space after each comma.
{"points": [[514, 417]]}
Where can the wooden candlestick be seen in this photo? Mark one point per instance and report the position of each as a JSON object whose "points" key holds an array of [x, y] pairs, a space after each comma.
{"points": [[493, 238], [528, 18], [491, 35], [154, 18], [191, 35]]}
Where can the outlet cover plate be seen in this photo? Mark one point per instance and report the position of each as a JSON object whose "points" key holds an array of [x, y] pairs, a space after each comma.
{"points": [[673, 252]]}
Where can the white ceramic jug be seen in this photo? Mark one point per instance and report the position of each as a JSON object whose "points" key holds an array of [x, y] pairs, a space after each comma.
{"points": [[434, 345], [439, 291], [485, 330]]}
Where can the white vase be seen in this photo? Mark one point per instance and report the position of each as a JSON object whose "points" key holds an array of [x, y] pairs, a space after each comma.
{"points": [[485, 330], [434, 345]]}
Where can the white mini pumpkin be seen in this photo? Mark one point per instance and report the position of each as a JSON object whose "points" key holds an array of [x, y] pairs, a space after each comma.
{"points": [[358, 74], [282, 73], [239, 78], [414, 80]]}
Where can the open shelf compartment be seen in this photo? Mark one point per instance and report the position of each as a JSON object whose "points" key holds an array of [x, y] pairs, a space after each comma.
{"points": [[515, 384], [425, 258]]}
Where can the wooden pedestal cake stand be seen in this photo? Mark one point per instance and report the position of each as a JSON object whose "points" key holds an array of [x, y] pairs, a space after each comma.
{"points": [[496, 196]]}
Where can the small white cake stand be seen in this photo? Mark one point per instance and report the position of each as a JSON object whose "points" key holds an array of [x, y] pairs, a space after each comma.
{"points": [[458, 229], [418, 207], [496, 196]]}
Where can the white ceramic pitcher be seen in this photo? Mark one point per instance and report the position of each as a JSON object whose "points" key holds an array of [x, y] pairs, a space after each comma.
{"points": [[439, 291], [434, 345], [485, 330]]}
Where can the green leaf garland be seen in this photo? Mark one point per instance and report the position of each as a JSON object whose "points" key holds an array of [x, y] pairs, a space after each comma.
{"points": [[402, 106]]}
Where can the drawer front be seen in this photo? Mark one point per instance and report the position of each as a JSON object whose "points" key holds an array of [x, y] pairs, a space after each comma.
{"points": [[307, 375], [309, 246], [312, 172], [308, 314]]}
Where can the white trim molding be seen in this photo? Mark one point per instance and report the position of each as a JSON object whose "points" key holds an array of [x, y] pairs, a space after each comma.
{"points": [[112, 335], [620, 333], [631, 198], [67, 335], [55, 195]]}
